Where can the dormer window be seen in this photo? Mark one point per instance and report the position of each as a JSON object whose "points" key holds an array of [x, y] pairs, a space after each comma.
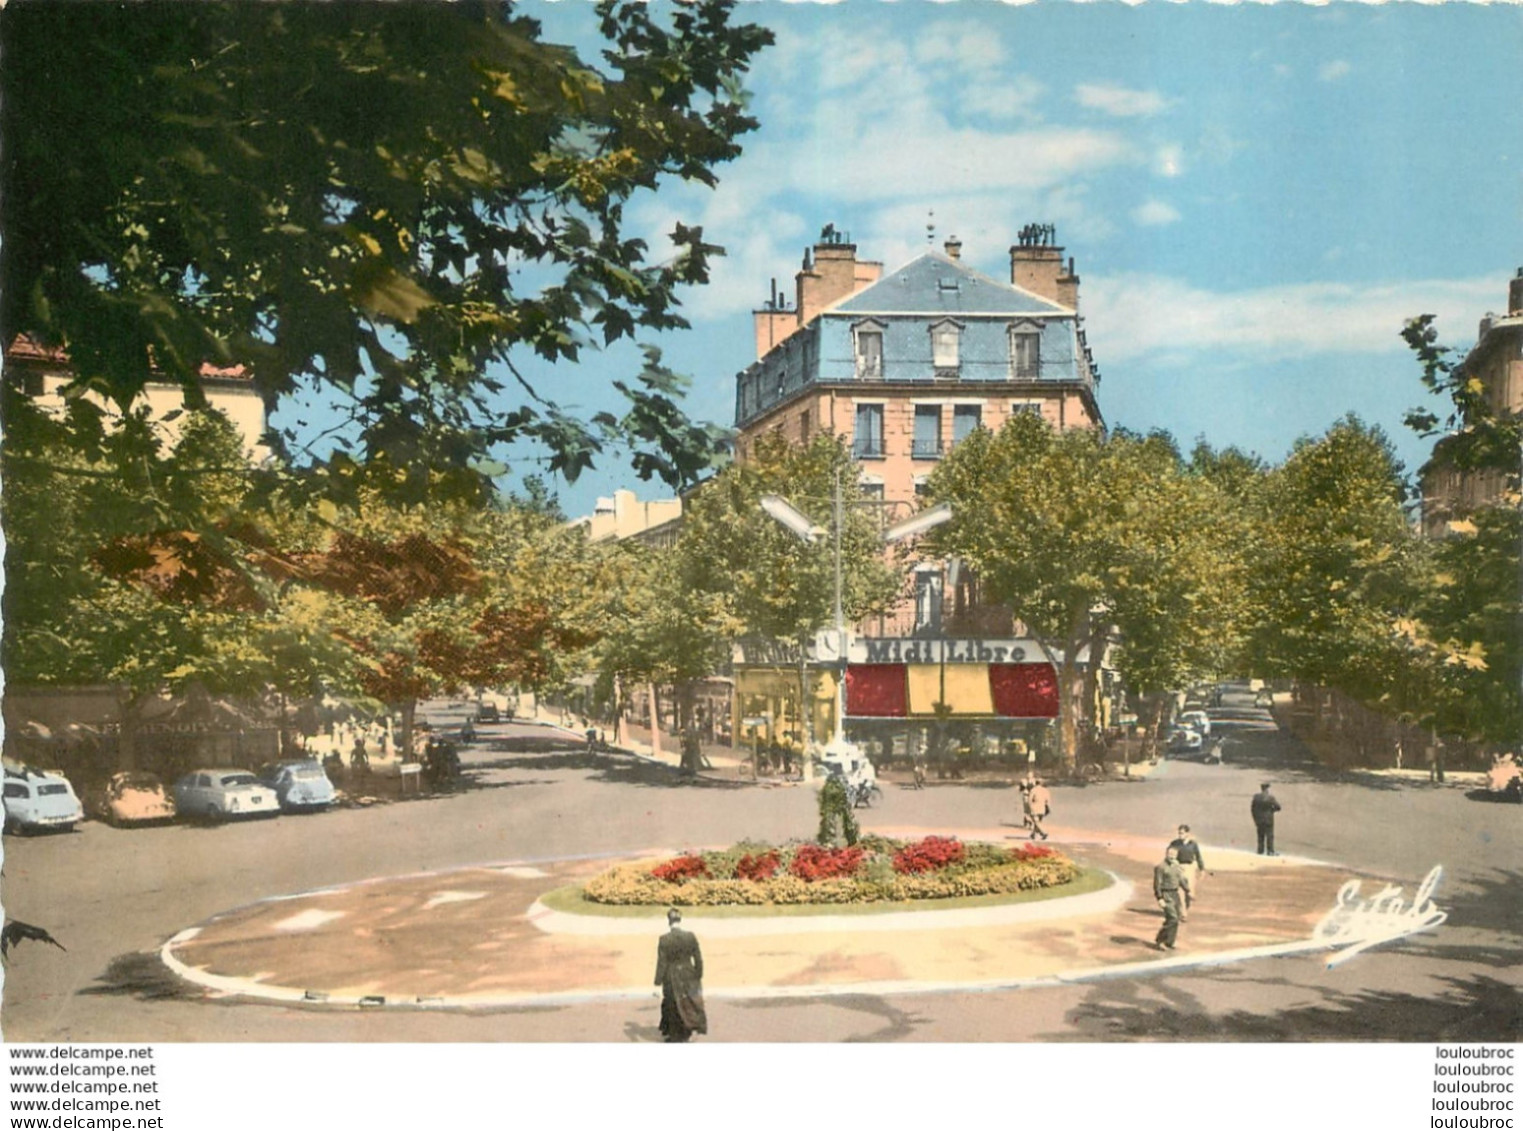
{"points": [[1025, 351], [946, 347], [867, 347]]}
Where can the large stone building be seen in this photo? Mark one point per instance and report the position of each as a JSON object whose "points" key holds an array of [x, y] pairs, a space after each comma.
{"points": [[905, 365], [1497, 362]]}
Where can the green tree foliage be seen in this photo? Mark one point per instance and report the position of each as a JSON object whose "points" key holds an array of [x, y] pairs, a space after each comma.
{"points": [[117, 557], [740, 573], [1334, 563], [660, 631], [371, 202], [434, 599], [1465, 640], [774, 584], [1080, 533]]}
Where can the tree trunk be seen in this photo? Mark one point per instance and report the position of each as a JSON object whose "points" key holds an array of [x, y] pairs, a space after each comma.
{"points": [[806, 714], [655, 721], [1098, 632], [409, 712]]}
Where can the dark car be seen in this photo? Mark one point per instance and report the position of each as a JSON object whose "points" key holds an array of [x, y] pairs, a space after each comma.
{"points": [[488, 713]]}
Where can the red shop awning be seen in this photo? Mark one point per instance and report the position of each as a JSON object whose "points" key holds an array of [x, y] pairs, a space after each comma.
{"points": [[1024, 691], [876, 691]]}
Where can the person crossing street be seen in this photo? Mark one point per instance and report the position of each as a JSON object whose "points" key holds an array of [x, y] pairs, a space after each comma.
{"points": [[1194, 864], [1263, 808], [1170, 887]]}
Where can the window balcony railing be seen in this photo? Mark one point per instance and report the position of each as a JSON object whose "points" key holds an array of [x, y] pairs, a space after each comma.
{"points": [[925, 449], [867, 449]]}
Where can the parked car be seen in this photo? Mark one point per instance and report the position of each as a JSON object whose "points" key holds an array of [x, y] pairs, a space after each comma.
{"points": [[488, 713], [131, 798], [39, 799], [299, 785], [216, 795], [1263, 698], [1184, 740], [1197, 720]]}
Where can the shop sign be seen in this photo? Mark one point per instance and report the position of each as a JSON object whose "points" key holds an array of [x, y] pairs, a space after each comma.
{"points": [[900, 651]]}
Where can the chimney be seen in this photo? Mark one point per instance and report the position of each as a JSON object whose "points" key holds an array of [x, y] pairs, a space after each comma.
{"points": [[954, 248], [1037, 265], [774, 322], [833, 273], [1515, 294]]}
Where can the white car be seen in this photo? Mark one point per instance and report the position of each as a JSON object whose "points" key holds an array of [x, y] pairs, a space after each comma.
{"points": [[1185, 740], [1197, 720], [216, 795], [37, 799]]}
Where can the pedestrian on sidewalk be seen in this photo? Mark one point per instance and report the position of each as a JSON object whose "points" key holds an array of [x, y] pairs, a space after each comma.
{"points": [[679, 973], [1170, 886], [1041, 806], [1264, 807], [1187, 850]]}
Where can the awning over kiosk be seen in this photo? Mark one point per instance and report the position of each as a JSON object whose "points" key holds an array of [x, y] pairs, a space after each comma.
{"points": [[1014, 691]]}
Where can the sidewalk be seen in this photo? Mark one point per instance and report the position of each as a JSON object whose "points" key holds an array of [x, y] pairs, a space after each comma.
{"points": [[479, 937]]}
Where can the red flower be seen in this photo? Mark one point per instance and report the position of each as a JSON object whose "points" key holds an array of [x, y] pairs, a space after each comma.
{"points": [[762, 867], [929, 855], [811, 862], [1033, 852], [680, 868]]}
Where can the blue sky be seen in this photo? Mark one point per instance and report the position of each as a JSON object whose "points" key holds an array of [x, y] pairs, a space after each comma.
{"points": [[1256, 196]]}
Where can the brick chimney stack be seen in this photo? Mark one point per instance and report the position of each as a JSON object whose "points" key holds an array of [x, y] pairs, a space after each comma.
{"points": [[1037, 265], [831, 271], [954, 248], [1515, 293]]}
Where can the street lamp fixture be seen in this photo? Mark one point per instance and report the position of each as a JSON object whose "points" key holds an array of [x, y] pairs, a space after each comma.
{"points": [[807, 530]]}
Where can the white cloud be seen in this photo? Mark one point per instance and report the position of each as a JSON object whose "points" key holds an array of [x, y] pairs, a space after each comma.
{"points": [[965, 46], [1150, 316], [1005, 99], [1168, 161], [1120, 101], [1333, 71], [1155, 213]]}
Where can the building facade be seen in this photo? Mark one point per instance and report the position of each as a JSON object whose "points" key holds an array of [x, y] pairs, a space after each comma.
{"points": [[904, 366], [43, 371], [1496, 361]]}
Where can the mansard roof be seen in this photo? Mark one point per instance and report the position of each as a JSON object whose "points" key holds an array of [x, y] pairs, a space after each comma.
{"points": [[933, 284]]}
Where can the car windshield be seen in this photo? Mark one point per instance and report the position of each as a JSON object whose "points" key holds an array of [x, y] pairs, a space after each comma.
{"points": [[138, 781], [49, 790], [239, 779], [307, 772]]}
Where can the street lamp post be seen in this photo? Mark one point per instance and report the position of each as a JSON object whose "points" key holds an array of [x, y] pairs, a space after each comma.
{"points": [[806, 530]]}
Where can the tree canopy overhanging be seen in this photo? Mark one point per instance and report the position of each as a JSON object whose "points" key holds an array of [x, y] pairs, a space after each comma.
{"points": [[387, 205]]}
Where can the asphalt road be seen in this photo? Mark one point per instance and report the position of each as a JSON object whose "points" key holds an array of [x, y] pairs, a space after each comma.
{"points": [[112, 897]]}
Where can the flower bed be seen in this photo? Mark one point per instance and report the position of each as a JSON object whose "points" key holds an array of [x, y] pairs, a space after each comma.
{"points": [[878, 869]]}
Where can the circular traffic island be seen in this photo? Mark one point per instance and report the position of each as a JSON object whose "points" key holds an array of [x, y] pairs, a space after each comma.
{"points": [[884, 916]]}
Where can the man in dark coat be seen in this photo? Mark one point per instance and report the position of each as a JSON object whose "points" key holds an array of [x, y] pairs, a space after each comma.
{"points": [[679, 973], [1170, 887], [1264, 808]]}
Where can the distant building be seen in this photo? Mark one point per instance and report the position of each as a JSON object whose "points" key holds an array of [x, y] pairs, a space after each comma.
{"points": [[1450, 492], [43, 371], [624, 515], [905, 366]]}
